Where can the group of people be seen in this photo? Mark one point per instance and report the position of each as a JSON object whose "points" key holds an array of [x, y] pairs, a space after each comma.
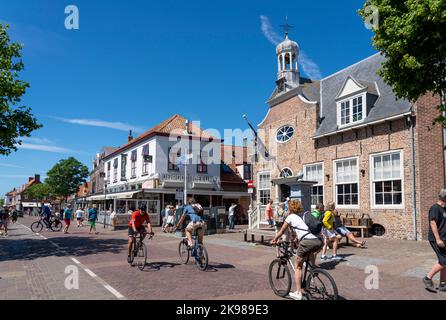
{"points": [[192, 216], [66, 214]]}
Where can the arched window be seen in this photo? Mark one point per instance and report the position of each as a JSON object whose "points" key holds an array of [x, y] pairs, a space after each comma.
{"points": [[286, 172], [284, 133]]}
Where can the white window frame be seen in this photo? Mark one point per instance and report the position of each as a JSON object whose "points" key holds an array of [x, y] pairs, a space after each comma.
{"points": [[317, 184], [372, 181], [335, 189], [281, 127], [350, 99], [259, 188]]}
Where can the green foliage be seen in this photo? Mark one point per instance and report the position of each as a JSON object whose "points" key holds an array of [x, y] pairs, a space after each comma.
{"points": [[14, 122], [411, 34], [2, 202], [66, 176], [39, 192]]}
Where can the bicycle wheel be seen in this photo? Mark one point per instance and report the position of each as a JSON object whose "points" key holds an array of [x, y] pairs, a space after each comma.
{"points": [[183, 251], [280, 277], [202, 258], [140, 256], [36, 227], [321, 286], [56, 225]]}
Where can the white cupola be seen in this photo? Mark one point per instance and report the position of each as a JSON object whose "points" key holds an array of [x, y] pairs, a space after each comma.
{"points": [[287, 56]]}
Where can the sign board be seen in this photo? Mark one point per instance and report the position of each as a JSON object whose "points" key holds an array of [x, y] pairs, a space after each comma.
{"points": [[250, 184], [250, 190], [179, 194]]}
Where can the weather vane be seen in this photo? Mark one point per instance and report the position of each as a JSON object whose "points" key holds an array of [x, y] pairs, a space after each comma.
{"points": [[286, 27]]}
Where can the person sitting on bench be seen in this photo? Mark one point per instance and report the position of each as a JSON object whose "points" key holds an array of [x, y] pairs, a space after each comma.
{"points": [[343, 231]]}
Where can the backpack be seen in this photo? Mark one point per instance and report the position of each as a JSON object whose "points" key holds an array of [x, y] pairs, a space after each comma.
{"points": [[314, 225]]}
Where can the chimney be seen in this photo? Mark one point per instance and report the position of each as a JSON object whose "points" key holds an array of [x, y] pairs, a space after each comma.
{"points": [[188, 126], [37, 178], [130, 138], [30, 178], [245, 150]]}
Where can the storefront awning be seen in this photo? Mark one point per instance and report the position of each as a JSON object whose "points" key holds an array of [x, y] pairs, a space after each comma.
{"points": [[30, 204], [110, 196]]}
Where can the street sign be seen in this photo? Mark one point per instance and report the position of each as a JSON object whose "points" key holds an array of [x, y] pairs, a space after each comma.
{"points": [[250, 184], [250, 190], [179, 194]]}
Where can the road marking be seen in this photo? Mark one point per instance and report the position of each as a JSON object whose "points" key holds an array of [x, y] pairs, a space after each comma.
{"points": [[112, 290], [75, 261], [91, 273], [44, 237]]}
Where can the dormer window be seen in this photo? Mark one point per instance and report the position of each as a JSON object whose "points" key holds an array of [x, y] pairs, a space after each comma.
{"points": [[351, 110]]}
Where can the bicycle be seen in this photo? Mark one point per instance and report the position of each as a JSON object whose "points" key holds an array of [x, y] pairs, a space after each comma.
{"points": [[55, 224], [319, 285], [139, 251], [198, 251]]}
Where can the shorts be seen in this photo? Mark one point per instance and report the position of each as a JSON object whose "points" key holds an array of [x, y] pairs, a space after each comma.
{"points": [[440, 252], [343, 231], [193, 226], [79, 219], [329, 234], [67, 221], [140, 230], [93, 223], [308, 246]]}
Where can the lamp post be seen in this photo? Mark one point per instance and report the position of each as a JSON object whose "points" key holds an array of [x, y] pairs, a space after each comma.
{"points": [[102, 175]]}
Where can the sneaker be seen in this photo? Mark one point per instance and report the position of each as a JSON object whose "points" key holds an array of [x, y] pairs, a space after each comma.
{"points": [[295, 295], [442, 287], [129, 259], [336, 257], [428, 283], [324, 257]]}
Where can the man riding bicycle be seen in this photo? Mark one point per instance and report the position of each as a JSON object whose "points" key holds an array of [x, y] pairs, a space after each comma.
{"points": [[192, 212], [136, 226], [46, 213]]}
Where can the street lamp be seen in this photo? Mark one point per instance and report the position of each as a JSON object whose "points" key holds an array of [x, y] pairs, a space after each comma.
{"points": [[102, 175]]}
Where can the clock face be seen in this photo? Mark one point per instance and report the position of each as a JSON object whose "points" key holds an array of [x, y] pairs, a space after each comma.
{"points": [[284, 134]]}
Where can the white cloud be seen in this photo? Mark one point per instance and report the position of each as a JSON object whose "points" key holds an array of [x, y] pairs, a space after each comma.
{"points": [[37, 140], [309, 67], [13, 176], [46, 148], [7, 165], [104, 124]]}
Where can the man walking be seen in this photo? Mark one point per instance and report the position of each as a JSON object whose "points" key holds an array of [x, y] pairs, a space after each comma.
{"points": [[92, 217], [232, 215], [437, 238], [67, 214], [269, 213]]}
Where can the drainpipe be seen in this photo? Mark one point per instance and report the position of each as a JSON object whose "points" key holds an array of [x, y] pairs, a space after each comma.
{"points": [[443, 103], [414, 190]]}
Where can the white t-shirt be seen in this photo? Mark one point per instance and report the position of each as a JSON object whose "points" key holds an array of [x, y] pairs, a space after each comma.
{"points": [[296, 222], [79, 213]]}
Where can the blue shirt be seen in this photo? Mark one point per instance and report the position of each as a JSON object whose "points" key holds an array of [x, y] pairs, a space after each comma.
{"points": [[191, 213], [67, 214], [92, 214], [46, 211]]}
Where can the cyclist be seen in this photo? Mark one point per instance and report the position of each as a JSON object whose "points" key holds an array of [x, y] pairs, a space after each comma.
{"points": [[46, 213], [136, 226], [309, 244], [192, 213]]}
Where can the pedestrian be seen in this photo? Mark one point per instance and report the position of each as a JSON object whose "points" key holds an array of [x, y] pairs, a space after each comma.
{"points": [[329, 232], [232, 215], [437, 239], [4, 219], [92, 217], [80, 215], [170, 220], [280, 216], [269, 213], [318, 212], [165, 213], [67, 214], [286, 204], [342, 231]]}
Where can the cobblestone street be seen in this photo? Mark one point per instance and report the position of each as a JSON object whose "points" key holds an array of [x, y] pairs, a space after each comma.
{"points": [[33, 267]]}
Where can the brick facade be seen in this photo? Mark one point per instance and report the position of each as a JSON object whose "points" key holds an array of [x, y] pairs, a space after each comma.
{"points": [[392, 135]]}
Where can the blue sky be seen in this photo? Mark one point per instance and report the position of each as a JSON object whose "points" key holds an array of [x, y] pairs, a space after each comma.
{"points": [[133, 64]]}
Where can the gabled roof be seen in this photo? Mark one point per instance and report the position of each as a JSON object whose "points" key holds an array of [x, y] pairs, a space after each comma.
{"points": [[386, 106], [176, 124], [310, 89]]}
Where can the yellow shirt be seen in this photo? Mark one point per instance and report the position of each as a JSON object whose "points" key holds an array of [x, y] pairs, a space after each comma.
{"points": [[328, 220]]}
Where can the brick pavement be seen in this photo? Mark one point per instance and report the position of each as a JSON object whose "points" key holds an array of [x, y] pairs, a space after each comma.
{"points": [[237, 270]]}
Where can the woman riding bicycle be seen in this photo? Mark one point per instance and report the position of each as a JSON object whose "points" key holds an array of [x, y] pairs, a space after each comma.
{"points": [[136, 226], [309, 244]]}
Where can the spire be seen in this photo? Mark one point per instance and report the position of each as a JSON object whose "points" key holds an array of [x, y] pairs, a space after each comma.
{"points": [[286, 27]]}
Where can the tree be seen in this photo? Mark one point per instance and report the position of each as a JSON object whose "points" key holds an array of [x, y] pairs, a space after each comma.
{"points": [[14, 122], [66, 176], [39, 192], [2, 202], [411, 34]]}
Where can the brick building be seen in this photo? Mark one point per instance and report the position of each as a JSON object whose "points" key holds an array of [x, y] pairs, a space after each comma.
{"points": [[367, 151]]}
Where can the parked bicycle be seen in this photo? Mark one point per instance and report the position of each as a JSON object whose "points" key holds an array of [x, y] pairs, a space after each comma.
{"points": [[54, 224], [139, 251], [198, 251], [318, 283]]}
